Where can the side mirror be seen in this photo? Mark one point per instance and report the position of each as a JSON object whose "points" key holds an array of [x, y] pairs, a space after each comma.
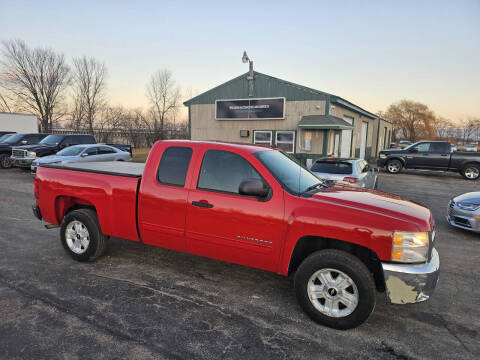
{"points": [[24, 142], [414, 150], [366, 168], [253, 187]]}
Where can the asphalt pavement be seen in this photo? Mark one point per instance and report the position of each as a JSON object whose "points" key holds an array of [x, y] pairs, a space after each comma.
{"points": [[142, 302]]}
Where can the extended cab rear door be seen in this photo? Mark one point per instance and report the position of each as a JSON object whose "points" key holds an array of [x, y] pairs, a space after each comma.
{"points": [[225, 225], [162, 204]]}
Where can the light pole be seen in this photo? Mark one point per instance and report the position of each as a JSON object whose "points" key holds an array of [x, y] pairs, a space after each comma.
{"points": [[245, 58]]}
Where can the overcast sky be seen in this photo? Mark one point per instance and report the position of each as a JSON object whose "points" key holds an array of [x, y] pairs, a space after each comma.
{"points": [[372, 53]]}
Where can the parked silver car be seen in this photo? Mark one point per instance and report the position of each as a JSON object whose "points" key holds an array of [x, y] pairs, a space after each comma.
{"points": [[470, 148], [83, 153], [355, 172], [464, 211]]}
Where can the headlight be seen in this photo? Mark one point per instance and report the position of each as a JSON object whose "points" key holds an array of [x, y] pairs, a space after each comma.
{"points": [[31, 154], [468, 206], [410, 247], [383, 156]]}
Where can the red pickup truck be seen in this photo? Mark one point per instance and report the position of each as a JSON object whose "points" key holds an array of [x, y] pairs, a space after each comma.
{"points": [[253, 206]]}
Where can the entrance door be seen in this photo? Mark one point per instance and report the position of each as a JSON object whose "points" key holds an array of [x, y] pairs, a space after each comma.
{"points": [[346, 144], [336, 144], [363, 140]]}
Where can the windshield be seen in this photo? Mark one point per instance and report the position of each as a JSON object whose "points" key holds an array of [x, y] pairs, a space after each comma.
{"points": [[52, 139], [332, 167], [288, 172], [4, 137], [14, 139], [71, 151]]}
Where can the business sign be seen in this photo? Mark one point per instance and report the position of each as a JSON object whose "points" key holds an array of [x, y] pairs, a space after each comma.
{"points": [[250, 109]]}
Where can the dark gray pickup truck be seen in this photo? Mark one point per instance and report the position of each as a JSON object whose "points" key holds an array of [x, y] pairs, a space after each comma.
{"points": [[431, 155]]}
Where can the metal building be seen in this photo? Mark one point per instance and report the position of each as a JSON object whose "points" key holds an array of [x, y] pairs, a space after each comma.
{"points": [[258, 108]]}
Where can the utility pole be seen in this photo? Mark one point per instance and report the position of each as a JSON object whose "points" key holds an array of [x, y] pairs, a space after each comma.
{"points": [[245, 58]]}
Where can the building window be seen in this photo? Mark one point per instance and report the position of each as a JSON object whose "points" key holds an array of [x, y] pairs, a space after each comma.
{"points": [[262, 137], [285, 140]]}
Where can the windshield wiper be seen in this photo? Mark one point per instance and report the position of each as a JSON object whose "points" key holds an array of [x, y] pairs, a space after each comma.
{"points": [[314, 186]]}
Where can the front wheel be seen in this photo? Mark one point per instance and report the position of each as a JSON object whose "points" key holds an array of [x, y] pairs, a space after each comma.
{"points": [[81, 235], [471, 172], [335, 289], [394, 166], [5, 161]]}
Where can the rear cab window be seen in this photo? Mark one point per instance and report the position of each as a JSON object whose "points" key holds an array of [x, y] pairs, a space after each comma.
{"points": [[332, 167], [173, 166]]}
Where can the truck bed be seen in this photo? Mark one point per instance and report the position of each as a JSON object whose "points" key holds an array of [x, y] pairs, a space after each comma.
{"points": [[116, 168]]}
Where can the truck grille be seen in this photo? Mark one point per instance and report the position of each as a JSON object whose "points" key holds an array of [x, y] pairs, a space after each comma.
{"points": [[19, 153]]}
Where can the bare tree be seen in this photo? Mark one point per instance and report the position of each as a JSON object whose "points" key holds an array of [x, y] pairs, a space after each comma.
{"points": [[443, 127], [412, 120], [164, 96], [35, 78], [470, 129], [4, 106], [89, 78]]}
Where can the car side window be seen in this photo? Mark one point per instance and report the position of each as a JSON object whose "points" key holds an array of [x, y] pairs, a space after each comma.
{"points": [[173, 166], [103, 150], [423, 147], [91, 151], [223, 171]]}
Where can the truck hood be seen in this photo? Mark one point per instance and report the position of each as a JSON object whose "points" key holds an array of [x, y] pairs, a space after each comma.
{"points": [[393, 151], [40, 149], [380, 203], [5, 147]]}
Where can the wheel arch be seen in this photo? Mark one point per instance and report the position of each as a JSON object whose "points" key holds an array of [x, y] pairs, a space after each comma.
{"points": [[65, 204], [396, 157], [307, 245]]}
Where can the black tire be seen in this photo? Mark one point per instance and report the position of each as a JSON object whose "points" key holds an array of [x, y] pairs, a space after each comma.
{"points": [[471, 171], [97, 241], [349, 265], [393, 166], [5, 161]]}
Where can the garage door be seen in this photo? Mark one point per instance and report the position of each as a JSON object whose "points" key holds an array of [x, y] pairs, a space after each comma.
{"points": [[346, 144], [363, 139]]}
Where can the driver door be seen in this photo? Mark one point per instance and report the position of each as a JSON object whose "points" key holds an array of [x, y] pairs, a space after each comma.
{"points": [[419, 156], [225, 225]]}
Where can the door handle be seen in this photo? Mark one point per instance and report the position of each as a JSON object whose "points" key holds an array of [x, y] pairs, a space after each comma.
{"points": [[444, 155], [202, 203]]}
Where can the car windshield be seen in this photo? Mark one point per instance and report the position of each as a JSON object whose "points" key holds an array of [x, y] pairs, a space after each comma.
{"points": [[4, 137], [295, 178], [52, 140], [71, 151], [14, 139], [332, 167]]}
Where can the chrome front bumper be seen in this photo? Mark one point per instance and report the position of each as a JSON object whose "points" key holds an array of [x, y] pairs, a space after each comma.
{"points": [[22, 161], [407, 284]]}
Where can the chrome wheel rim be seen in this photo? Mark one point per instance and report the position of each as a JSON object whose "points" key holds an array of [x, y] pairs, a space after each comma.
{"points": [[471, 173], [6, 162], [77, 237], [393, 166], [332, 292]]}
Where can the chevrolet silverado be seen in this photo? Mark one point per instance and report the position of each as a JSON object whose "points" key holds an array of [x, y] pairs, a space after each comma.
{"points": [[254, 206]]}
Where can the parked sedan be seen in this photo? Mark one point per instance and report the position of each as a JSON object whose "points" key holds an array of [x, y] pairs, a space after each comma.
{"points": [[350, 171], [464, 211], [470, 148], [83, 153]]}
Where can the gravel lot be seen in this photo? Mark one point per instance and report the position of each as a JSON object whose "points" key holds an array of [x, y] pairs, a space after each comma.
{"points": [[145, 302]]}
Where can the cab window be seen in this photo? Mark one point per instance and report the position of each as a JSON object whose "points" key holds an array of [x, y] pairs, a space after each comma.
{"points": [[223, 171], [423, 147], [173, 166]]}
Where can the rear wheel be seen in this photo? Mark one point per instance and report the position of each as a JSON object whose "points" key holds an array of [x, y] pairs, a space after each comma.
{"points": [[394, 166], [335, 289], [5, 161], [81, 235], [471, 172]]}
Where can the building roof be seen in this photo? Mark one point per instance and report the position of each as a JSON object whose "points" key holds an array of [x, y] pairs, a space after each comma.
{"points": [[269, 86], [323, 122]]}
